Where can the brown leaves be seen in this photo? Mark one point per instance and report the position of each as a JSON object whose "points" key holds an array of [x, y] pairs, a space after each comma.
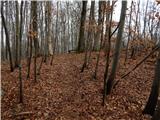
{"points": [[158, 2], [62, 92], [32, 34]]}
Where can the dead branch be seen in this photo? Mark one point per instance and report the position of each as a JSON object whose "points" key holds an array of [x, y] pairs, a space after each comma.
{"points": [[24, 113], [147, 56]]}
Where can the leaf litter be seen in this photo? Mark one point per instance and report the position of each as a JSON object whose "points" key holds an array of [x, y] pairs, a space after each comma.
{"points": [[63, 93]]}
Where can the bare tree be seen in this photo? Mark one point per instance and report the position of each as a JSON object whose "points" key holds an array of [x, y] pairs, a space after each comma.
{"points": [[100, 26], [129, 34], [112, 75], [48, 7], [17, 35], [89, 40], [145, 15], [153, 97], [99, 35], [20, 55], [81, 42], [2, 43], [35, 32], [7, 38]]}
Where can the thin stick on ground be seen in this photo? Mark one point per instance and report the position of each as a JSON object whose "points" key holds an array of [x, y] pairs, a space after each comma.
{"points": [[155, 49]]}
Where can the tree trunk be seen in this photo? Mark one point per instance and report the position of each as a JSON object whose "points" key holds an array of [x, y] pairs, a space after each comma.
{"points": [[157, 112], [46, 35], [99, 27], [56, 36], [29, 55], [99, 36], [81, 42], [153, 97], [7, 38], [35, 32], [50, 48], [107, 47], [17, 35], [129, 34], [89, 38], [145, 20], [20, 55], [117, 48], [2, 43]]}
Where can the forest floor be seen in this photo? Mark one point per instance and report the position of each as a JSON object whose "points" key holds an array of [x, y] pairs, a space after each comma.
{"points": [[63, 93]]}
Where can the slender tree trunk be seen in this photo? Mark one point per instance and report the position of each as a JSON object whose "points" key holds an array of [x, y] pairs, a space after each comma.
{"points": [[2, 43], [129, 34], [81, 42], [20, 55], [99, 36], [50, 48], [68, 36], [56, 36], [145, 20], [117, 48], [92, 22], [7, 38], [17, 35], [30, 55], [35, 31], [6, 21], [108, 48], [99, 28], [46, 30], [136, 28], [89, 39], [156, 31]]}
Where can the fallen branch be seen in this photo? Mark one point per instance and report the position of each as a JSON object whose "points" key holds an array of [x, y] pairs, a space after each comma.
{"points": [[155, 49], [23, 113]]}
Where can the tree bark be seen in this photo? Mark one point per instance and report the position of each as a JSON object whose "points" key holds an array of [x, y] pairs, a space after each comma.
{"points": [[145, 20], [7, 38], [17, 35], [153, 97], [20, 55], [2, 43], [35, 33], [89, 38], [50, 48], [81, 42], [117, 48], [156, 115], [129, 34], [99, 27]]}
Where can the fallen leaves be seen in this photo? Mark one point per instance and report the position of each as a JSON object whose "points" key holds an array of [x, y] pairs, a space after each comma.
{"points": [[63, 93]]}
